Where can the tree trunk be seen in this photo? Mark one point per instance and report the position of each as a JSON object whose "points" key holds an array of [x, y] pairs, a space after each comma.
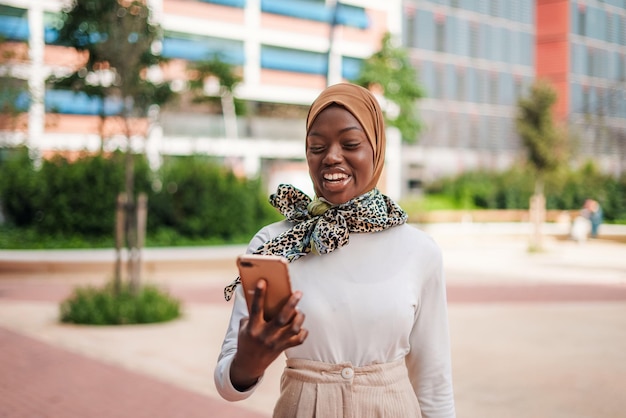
{"points": [[120, 227], [140, 228], [131, 219], [537, 217], [230, 116]]}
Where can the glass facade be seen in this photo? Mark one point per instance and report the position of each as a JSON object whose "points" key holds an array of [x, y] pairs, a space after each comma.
{"points": [[474, 58], [597, 86]]}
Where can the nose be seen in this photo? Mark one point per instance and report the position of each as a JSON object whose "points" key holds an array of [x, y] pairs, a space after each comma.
{"points": [[334, 155]]}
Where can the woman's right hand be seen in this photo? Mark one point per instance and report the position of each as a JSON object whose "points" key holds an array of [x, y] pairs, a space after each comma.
{"points": [[260, 342]]}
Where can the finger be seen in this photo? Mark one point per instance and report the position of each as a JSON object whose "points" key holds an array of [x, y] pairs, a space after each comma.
{"points": [[289, 311], [294, 340], [258, 301]]}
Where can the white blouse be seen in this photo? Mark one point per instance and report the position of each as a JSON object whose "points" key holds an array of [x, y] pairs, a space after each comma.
{"points": [[379, 298]]}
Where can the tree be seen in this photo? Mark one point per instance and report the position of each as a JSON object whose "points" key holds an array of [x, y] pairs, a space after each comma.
{"points": [[546, 147], [118, 39], [217, 78], [390, 71]]}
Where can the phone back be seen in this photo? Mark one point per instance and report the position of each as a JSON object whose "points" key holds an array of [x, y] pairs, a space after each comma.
{"points": [[275, 271]]}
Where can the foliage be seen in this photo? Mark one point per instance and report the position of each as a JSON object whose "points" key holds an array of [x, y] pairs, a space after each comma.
{"points": [[511, 189], [102, 306], [65, 200], [224, 72], [546, 145], [65, 197], [20, 187], [508, 189], [390, 69], [118, 38], [200, 198]]}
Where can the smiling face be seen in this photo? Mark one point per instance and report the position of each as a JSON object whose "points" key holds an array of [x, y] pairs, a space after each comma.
{"points": [[339, 155]]}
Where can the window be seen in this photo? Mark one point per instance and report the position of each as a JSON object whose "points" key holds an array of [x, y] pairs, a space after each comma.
{"points": [[409, 31], [440, 35], [461, 85], [474, 40], [494, 90], [582, 20]]}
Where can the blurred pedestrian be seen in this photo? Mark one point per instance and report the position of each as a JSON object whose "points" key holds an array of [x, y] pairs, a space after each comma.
{"points": [[593, 212]]}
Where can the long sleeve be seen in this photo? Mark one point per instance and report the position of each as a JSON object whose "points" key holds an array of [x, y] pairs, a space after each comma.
{"points": [[428, 360], [221, 374], [229, 348]]}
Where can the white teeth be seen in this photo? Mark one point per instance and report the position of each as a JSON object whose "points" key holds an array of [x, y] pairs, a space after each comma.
{"points": [[335, 176]]}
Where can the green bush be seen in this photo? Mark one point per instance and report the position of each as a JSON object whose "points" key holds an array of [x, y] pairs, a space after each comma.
{"points": [[103, 306], [71, 203], [200, 198], [66, 197], [512, 189]]}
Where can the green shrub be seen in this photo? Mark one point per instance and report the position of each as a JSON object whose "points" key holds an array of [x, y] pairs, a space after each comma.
{"points": [[103, 306], [512, 188], [66, 197], [202, 199]]}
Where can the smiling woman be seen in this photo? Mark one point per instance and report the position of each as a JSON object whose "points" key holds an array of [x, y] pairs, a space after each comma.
{"points": [[365, 331]]}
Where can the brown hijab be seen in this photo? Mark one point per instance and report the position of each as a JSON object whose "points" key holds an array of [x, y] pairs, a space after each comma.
{"points": [[365, 108]]}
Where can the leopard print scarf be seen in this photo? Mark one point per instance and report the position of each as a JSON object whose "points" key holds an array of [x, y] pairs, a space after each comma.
{"points": [[321, 228]]}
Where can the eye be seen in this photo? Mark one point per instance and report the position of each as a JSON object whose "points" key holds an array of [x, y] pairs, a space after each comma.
{"points": [[316, 149], [351, 145]]}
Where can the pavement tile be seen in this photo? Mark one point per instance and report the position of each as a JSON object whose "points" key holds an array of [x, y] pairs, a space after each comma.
{"points": [[40, 380]]}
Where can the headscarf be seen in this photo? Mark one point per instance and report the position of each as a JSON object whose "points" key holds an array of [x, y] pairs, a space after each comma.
{"points": [[362, 104]]}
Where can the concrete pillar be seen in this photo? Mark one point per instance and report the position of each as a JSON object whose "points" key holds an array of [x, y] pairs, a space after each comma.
{"points": [[393, 163], [252, 165], [252, 43], [36, 79]]}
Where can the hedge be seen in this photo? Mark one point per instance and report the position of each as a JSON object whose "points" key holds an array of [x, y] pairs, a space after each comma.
{"points": [[189, 197]]}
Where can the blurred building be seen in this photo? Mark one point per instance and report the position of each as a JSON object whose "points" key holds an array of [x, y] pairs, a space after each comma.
{"points": [[474, 58], [581, 49]]}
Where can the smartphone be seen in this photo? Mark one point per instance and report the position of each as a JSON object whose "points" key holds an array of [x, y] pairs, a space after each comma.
{"points": [[274, 270]]}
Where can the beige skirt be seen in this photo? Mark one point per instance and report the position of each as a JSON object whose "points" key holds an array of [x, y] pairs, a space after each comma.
{"points": [[311, 389]]}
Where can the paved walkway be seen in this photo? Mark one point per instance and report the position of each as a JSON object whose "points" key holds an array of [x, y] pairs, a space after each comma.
{"points": [[534, 335]]}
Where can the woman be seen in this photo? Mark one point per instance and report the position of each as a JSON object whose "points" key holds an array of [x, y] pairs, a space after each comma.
{"points": [[368, 287]]}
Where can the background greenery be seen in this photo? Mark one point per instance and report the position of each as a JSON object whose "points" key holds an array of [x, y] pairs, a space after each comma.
{"points": [[196, 201], [565, 189], [69, 204]]}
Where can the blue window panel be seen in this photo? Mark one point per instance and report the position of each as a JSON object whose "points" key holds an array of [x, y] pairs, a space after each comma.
{"points": [[350, 67], [472, 83], [79, 103], [21, 103], [452, 82], [51, 35], [425, 30], [293, 60], [232, 3], [616, 67], [426, 73], [463, 40], [507, 89], [203, 49], [529, 49], [14, 28], [574, 59], [573, 18], [450, 36], [312, 10], [489, 42]]}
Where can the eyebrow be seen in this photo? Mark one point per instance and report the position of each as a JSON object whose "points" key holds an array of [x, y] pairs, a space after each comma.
{"points": [[341, 131]]}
